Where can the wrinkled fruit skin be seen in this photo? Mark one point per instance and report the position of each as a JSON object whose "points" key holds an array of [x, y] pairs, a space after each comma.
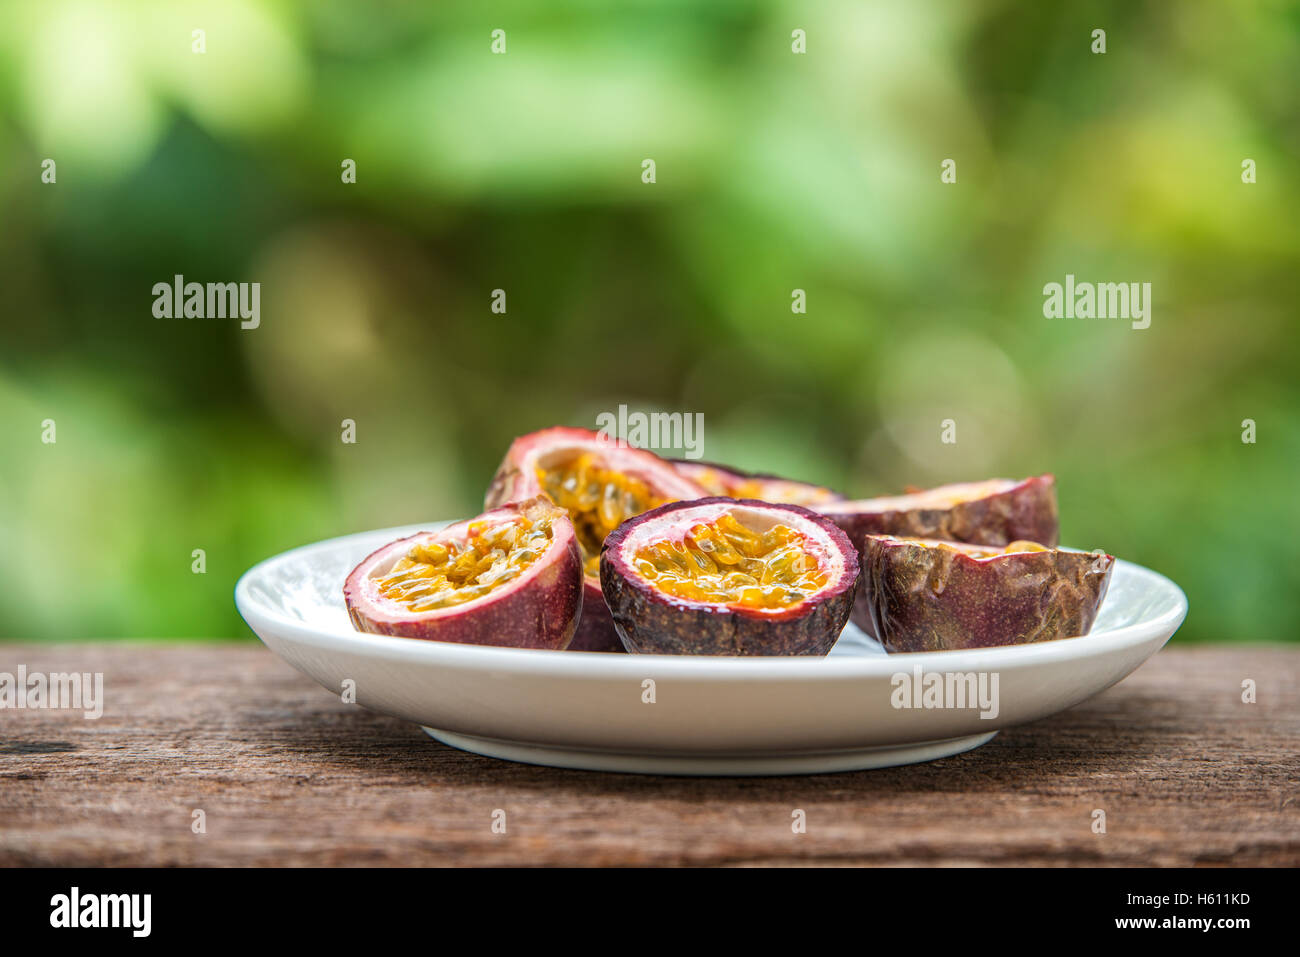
{"points": [[1026, 511], [925, 598], [723, 480], [652, 622], [540, 609], [514, 480]]}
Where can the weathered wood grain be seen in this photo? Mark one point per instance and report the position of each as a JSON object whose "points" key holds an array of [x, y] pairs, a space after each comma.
{"points": [[288, 775]]}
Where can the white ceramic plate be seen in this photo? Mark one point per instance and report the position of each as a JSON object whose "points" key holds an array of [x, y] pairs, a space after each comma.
{"points": [[714, 716]]}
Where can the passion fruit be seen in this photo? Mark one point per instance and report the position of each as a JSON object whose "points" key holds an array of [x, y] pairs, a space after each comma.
{"points": [[600, 482], [512, 576], [724, 576], [927, 595], [991, 512], [733, 483]]}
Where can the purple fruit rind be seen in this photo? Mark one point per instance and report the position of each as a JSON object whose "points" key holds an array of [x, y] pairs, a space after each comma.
{"points": [[652, 622], [922, 597], [596, 631], [539, 609], [1025, 511]]}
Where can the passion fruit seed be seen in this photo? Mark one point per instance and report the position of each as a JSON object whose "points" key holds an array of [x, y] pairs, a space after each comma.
{"points": [[598, 500], [441, 574], [725, 562]]}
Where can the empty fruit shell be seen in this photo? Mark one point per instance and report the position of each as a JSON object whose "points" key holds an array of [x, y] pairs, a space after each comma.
{"points": [[991, 512], [926, 595]]}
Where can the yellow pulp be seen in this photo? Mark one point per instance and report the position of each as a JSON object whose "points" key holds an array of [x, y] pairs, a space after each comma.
{"points": [[441, 574], [726, 563], [794, 495], [715, 483], [980, 551], [598, 501]]}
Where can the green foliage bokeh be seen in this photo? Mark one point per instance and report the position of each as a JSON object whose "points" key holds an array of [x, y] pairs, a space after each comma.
{"points": [[522, 171]]}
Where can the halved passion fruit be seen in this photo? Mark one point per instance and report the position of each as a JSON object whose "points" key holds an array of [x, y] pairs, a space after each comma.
{"points": [[723, 576], [927, 595], [992, 512], [721, 480], [601, 483], [512, 576]]}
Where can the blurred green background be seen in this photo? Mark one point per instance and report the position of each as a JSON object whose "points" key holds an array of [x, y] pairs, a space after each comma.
{"points": [[522, 171]]}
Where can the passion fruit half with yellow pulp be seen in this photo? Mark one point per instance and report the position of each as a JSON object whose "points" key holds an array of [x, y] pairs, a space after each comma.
{"points": [[601, 482], [926, 595], [723, 576], [991, 512], [512, 576], [733, 483]]}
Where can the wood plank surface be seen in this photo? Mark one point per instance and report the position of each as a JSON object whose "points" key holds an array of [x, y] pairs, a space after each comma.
{"points": [[286, 774]]}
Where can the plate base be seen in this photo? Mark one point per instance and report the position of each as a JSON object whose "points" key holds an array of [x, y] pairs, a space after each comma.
{"points": [[712, 765]]}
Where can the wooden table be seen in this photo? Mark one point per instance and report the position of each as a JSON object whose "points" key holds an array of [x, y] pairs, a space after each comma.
{"points": [[287, 774]]}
